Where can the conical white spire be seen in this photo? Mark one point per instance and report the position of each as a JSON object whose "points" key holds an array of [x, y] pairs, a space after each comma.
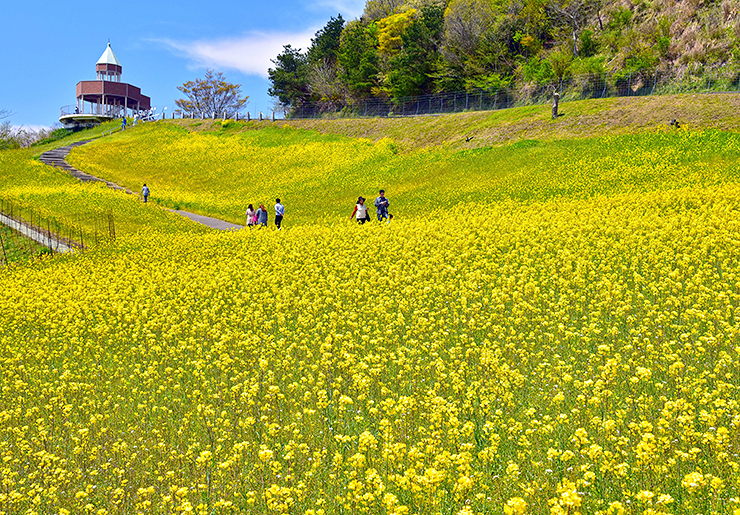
{"points": [[108, 57]]}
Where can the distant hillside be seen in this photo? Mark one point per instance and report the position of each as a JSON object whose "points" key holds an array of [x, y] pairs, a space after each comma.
{"points": [[491, 128], [406, 48]]}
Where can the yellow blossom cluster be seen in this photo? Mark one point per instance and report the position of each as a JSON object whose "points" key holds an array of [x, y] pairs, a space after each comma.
{"points": [[320, 177], [574, 349], [564, 356]]}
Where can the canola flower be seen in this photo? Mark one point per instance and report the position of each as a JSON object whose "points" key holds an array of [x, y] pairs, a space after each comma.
{"points": [[58, 196], [572, 347], [319, 177], [457, 369]]}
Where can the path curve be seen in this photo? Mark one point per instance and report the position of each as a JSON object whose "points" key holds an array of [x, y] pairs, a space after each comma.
{"points": [[57, 158]]}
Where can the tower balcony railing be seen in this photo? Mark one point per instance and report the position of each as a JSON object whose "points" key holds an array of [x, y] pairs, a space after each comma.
{"points": [[95, 110]]}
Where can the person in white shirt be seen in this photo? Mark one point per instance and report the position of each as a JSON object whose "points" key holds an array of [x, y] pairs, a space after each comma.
{"points": [[360, 211], [279, 213]]}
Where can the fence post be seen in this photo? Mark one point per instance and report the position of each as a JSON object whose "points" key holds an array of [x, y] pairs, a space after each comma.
{"points": [[5, 256]]}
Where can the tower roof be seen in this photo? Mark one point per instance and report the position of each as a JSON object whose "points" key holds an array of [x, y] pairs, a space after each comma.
{"points": [[108, 57]]}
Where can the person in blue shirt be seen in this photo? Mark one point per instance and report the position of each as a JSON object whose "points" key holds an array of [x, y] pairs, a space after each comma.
{"points": [[279, 213], [123, 122], [381, 204], [145, 192]]}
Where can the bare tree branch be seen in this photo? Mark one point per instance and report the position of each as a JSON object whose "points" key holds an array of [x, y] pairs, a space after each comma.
{"points": [[574, 14], [211, 96]]}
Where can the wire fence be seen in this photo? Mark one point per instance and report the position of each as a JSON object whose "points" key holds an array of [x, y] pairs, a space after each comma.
{"points": [[14, 247], [578, 87], [78, 232]]}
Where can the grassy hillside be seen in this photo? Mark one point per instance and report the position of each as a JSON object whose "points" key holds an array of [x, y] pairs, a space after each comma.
{"points": [[548, 326], [578, 119], [320, 176]]}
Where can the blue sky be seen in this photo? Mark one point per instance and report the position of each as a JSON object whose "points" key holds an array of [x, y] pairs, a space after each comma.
{"points": [[49, 46]]}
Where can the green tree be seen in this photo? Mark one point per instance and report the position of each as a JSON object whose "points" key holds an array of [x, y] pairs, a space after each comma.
{"points": [[323, 76], [377, 9], [412, 70], [325, 45], [359, 58], [211, 95], [289, 78]]}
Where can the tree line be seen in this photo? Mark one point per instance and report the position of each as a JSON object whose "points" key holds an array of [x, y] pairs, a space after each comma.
{"points": [[403, 48], [21, 137]]}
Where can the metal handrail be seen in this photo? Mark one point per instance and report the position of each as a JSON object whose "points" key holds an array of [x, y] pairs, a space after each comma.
{"points": [[70, 110]]}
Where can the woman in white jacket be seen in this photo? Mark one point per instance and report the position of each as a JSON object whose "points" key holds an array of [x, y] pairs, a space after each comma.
{"points": [[360, 211], [250, 216]]}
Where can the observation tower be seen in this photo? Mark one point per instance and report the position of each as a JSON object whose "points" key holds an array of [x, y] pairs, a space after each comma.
{"points": [[105, 98]]}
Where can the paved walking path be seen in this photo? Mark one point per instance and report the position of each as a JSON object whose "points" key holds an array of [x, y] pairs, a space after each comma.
{"points": [[215, 223], [57, 158], [45, 239]]}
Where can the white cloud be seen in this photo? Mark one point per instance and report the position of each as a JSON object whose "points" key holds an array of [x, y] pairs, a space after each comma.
{"points": [[250, 54]]}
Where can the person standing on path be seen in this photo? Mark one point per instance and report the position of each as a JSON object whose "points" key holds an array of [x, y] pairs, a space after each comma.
{"points": [[145, 192], [279, 213], [360, 211], [250, 216], [262, 216], [123, 122], [381, 204]]}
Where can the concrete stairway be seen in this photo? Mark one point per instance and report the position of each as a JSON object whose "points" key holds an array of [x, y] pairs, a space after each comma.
{"points": [[56, 157]]}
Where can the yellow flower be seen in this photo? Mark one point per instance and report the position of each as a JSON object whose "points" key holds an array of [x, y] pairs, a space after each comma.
{"points": [[515, 506]]}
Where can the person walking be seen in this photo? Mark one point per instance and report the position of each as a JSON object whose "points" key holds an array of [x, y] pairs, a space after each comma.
{"points": [[279, 213], [145, 192], [123, 122], [250, 216], [360, 211], [381, 204], [262, 216]]}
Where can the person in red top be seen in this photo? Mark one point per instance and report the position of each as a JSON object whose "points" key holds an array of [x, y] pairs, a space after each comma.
{"points": [[360, 211]]}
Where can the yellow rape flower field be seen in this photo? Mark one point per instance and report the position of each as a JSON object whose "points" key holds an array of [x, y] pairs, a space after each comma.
{"points": [[545, 328]]}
